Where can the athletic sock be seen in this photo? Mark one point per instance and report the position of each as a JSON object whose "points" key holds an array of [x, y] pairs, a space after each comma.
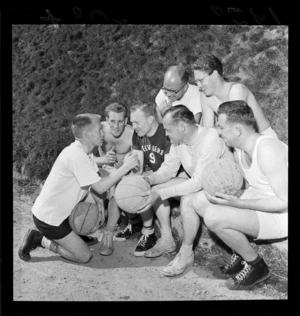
{"points": [[166, 234], [148, 230], [186, 249], [256, 260], [49, 244]]}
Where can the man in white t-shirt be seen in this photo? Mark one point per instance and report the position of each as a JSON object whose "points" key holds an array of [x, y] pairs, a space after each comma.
{"points": [[176, 90], [73, 175]]}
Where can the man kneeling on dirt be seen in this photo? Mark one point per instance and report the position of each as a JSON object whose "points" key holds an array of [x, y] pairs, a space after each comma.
{"points": [[261, 212], [73, 177]]}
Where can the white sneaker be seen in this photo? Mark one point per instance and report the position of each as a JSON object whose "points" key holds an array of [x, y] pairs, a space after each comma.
{"points": [[179, 264], [162, 246]]}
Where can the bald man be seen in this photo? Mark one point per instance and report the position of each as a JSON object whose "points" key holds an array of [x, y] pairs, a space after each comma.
{"points": [[177, 90]]}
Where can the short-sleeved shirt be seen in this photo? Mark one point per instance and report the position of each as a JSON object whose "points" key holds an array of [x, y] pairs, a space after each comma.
{"points": [[191, 99], [63, 188], [154, 148]]}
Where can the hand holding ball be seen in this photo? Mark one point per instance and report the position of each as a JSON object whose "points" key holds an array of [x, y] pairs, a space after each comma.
{"points": [[127, 193], [224, 176]]}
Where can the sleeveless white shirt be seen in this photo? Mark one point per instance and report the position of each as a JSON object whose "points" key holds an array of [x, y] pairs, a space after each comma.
{"points": [[258, 182]]}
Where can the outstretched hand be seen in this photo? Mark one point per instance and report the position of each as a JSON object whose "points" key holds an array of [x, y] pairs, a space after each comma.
{"points": [[221, 198], [131, 160], [152, 196]]}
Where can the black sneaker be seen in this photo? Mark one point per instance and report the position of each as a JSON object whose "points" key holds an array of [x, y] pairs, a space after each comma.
{"points": [[226, 271], [127, 232], [31, 240], [146, 242], [90, 241], [249, 276]]}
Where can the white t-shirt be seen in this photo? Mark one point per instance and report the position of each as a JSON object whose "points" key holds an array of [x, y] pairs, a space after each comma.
{"points": [[72, 170], [191, 99]]}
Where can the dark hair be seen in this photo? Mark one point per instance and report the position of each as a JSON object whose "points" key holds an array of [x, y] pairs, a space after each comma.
{"points": [[180, 113], [81, 121], [238, 112], [208, 63], [116, 107], [182, 71], [147, 108]]}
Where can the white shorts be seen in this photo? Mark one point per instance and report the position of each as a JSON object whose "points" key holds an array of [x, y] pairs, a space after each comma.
{"points": [[271, 225]]}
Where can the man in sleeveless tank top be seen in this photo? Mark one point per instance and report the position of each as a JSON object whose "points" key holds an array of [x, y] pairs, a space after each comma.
{"points": [[261, 212], [208, 75]]}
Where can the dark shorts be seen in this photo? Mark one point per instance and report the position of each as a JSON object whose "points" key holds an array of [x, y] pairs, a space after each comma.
{"points": [[53, 232]]}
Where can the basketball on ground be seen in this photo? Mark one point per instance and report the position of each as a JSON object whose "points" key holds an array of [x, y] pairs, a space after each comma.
{"points": [[85, 218]]}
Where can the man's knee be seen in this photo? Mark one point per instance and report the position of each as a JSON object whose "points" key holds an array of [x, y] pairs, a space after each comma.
{"points": [[85, 257], [212, 218], [186, 204]]}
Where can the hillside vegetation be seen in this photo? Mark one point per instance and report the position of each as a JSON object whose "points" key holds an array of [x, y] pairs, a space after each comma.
{"points": [[59, 72]]}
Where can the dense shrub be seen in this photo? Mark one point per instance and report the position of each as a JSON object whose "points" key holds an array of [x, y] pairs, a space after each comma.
{"points": [[60, 72]]}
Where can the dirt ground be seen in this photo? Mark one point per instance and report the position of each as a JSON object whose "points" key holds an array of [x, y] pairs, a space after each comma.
{"points": [[119, 277]]}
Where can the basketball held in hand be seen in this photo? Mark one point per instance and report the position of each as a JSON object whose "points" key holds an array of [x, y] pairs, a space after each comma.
{"points": [[85, 218], [127, 193], [224, 176]]}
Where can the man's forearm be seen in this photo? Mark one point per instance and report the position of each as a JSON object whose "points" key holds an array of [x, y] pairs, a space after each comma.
{"points": [[105, 183], [272, 204]]}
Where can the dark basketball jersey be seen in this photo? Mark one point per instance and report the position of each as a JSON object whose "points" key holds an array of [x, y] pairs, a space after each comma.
{"points": [[154, 148]]}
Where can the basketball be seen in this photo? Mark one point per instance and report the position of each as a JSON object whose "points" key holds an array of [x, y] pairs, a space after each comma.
{"points": [[224, 176], [127, 193], [85, 218]]}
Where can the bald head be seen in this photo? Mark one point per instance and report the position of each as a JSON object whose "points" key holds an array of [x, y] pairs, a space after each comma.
{"points": [[176, 75]]}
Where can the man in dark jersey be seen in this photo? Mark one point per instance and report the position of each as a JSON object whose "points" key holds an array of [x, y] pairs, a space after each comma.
{"points": [[152, 144]]}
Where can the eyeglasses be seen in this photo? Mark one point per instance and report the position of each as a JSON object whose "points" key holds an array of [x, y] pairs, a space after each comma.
{"points": [[172, 91], [201, 80]]}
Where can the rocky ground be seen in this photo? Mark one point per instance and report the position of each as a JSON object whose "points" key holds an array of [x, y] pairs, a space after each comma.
{"points": [[123, 277]]}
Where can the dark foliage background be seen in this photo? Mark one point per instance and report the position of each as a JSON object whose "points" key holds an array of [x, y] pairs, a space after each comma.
{"points": [[61, 71]]}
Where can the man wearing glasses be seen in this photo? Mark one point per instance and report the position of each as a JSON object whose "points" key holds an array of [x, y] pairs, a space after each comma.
{"points": [[177, 90], [208, 75]]}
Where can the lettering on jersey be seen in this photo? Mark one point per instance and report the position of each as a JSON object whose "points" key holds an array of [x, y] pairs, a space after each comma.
{"points": [[153, 148]]}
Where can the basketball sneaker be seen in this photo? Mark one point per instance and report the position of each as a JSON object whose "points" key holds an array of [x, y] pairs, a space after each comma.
{"points": [[32, 240], [252, 274], [162, 246], [127, 232], [226, 271], [146, 242]]}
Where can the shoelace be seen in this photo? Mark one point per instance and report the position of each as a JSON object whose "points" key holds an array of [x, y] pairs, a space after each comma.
{"points": [[143, 240], [233, 260], [128, 227], [244, 273]]}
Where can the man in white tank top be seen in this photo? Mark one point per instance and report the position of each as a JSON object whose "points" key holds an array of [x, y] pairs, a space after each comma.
{"points": [[215, 89], [261, 212]]}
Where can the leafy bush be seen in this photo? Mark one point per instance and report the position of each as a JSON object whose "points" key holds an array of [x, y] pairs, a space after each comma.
{"points": [[60, 72]]}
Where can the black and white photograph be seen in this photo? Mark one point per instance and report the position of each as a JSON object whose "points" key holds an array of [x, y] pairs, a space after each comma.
{"points": [[150, 161]]}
